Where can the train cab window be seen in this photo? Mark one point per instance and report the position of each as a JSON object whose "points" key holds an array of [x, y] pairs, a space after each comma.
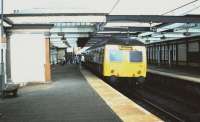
{"points": [[116, 55], [135, 56]]}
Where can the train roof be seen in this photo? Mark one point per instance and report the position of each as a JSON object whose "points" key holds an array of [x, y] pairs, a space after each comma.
{"points": [[118, 41]]}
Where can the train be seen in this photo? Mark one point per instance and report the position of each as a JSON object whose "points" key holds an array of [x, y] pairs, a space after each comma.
{"points": [[115, 58], [181, 53]]}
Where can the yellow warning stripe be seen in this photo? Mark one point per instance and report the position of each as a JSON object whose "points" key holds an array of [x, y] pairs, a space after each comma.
{"points": [[126, 109]]}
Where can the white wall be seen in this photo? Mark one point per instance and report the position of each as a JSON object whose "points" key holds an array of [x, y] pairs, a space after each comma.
{"points": [[27, 57]]}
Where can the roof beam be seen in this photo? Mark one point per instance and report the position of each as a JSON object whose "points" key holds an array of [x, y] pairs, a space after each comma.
{"points": [[55, 14], [115, 34], [112, 33], [153, 18], [130, 29], [114, 29], [7, 20], [32, 26], [71, 35], [87, 29], [62, 33]]}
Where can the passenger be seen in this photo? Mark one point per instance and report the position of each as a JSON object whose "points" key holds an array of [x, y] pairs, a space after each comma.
{"points": [[82, 59], [71, 60], [63, 61], [77, 59]]}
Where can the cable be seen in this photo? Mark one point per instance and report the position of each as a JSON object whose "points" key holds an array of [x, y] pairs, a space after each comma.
{"points": [[191, 10], [114, 6], [180, 7]]}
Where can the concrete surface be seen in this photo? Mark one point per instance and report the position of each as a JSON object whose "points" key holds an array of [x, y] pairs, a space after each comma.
{"points": [[68, 99]]}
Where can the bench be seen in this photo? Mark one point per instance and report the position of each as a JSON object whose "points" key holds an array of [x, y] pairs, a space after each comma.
{"points": [[10, 89]]}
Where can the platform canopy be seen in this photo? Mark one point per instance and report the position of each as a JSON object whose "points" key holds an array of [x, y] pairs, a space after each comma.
{"points": [[68, 20]]}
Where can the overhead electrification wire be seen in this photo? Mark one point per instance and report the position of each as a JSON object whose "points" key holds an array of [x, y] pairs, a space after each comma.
{"points": [[180, 7], [191, 10], [114, 6]]}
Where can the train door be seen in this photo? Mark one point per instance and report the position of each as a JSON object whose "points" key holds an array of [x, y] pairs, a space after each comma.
{"points": [[162, 54], [170, 55], [182, 54], [158, 54], [174, 52]]}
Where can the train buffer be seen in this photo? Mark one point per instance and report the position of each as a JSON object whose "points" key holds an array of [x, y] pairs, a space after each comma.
{"points": [[10, 89]]}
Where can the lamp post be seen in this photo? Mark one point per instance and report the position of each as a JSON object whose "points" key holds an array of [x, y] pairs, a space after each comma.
{"points": [[2, 19], [2, 51]]}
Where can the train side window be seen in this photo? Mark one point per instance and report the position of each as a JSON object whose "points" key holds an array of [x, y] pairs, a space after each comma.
{"points": [[135, 56], [116, 55]]}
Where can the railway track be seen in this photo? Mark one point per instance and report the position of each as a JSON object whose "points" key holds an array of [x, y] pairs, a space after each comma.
{"points": [[170, 102], [168, 116], [162, 110]]}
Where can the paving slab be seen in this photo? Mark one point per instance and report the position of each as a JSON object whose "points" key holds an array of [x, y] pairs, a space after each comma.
{"points": [[69, 98]]}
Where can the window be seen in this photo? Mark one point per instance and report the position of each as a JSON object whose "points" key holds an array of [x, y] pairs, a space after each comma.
{"points": [[116, 55], [193, 47], [135, 56]]}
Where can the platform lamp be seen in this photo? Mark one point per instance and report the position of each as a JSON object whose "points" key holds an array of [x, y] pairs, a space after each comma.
{"points": [[63, 38], [187, 33], [128, 36], [163, 36], [147, 41]]}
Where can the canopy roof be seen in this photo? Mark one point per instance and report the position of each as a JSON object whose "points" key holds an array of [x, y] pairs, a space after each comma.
{"points": [[117, 7], [152, 21]]}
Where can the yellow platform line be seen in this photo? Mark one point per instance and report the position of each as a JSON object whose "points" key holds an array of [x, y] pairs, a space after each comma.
{"points": [[126, 109]]}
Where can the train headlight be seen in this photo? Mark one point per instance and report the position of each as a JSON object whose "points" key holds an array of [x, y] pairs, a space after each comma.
{"points": [[139, 72], [112, 71]]}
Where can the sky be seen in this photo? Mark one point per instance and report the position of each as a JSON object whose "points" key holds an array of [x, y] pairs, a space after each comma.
{"points": [[136, 7]]}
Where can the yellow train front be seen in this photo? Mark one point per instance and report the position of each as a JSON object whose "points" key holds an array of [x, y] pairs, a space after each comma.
{"points": [[118, 58]]}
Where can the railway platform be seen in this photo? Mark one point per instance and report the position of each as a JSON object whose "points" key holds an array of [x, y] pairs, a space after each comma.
{"points": [[182, 74], [72, 98]]}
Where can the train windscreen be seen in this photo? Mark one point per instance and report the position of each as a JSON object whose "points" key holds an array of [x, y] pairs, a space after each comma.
{"points": [[135, 56], [116, 55]]}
